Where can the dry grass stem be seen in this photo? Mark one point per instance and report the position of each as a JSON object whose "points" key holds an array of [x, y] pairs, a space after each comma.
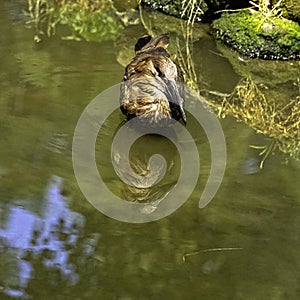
{"points": [[184, 257], [267, 116]]}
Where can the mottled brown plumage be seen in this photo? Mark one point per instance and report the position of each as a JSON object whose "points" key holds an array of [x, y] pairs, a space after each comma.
{"points": [[153, 85]]}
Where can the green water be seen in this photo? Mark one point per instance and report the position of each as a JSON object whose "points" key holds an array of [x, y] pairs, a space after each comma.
{"points": [[55, 245]]}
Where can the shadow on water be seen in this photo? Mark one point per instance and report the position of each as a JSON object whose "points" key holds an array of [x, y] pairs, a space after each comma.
{"points": [[55, 245]]}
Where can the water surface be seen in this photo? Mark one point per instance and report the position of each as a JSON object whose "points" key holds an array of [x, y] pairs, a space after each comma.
{"points": [[55, 245]]}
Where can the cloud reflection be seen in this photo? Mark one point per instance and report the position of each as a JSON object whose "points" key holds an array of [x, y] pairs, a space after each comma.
{"points": [[50, 235]]}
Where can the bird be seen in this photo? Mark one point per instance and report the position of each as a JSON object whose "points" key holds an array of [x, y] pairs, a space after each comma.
{"points": [[152, 89]]}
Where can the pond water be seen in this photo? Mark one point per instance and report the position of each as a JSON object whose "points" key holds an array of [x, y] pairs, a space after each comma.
{"points": [[55, 245]]}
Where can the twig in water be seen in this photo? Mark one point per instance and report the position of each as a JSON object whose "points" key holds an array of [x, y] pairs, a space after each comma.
{"points": [[265, 151], [210, 250]]}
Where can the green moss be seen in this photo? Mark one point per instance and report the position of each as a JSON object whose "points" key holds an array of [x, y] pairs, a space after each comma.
{"points": [[251, 34]]}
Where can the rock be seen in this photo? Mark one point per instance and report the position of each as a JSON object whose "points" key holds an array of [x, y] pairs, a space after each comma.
{"points": [[253, 35], [208, 7]]}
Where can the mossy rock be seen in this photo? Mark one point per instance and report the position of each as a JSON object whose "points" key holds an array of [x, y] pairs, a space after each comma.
{"points": [[208, 7], [252, 35], [172, 8]]}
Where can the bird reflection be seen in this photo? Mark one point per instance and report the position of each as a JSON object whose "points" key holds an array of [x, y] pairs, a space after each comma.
{"points": [[147, 184], [153, 85]]}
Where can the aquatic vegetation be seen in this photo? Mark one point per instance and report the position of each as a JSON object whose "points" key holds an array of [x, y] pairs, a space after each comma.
{"points": [[89, 20], [277, 120], [257, 35]]}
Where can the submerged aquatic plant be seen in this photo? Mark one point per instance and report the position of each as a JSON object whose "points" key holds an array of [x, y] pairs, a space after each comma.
{"points": [[279, 121], [89, 20]]}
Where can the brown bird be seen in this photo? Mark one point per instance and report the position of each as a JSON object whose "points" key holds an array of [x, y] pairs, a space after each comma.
{"points": [[153, 85]]}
